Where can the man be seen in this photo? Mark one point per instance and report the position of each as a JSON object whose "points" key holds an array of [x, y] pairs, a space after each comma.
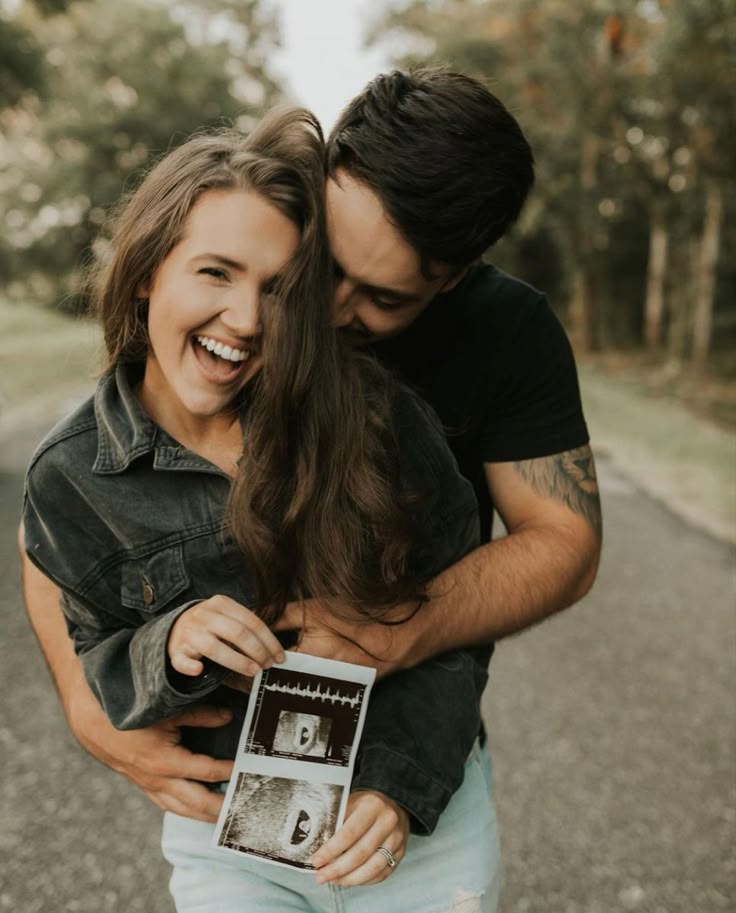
{"points": [[426, 172]]}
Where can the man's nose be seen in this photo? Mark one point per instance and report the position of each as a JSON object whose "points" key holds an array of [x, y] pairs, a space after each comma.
{"points": [[343, 309]]}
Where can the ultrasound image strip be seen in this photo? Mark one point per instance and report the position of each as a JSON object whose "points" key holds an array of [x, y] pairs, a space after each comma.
{"points": [[305, 715], [280, 819], [292, 774]]}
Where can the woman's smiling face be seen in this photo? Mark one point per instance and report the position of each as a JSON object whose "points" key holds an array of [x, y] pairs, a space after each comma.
{"points": [[204, 303]]}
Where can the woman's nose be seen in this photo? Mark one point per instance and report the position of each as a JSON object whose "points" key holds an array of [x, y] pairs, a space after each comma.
{"points": [[242, 316]]}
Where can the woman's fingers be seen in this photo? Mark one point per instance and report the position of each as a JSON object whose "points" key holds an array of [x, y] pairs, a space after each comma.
{"points": [[208, 644], [375, 870], [362, 862], [351, 857], [227, 633], [187, 665], [253, 627]]}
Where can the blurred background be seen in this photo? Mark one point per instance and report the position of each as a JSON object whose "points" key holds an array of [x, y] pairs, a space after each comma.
{"points": [[630, 107]]}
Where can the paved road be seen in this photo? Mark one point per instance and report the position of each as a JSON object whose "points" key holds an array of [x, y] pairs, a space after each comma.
{"points": [[613, 730]]}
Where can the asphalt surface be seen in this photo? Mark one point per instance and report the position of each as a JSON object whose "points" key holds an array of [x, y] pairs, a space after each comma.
{"points": [[613, 731]]}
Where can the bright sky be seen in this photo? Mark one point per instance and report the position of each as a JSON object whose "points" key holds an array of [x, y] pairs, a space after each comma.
{"points": [[323, 60]]}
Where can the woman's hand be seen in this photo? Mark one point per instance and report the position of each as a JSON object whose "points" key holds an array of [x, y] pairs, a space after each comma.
{"points": [[227, 633], [351, 857]]}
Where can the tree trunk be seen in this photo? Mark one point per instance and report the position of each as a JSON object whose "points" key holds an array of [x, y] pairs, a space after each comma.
{"points": [[679, 303], [705, 278], [584, 309], [656, 272], [586, 306]]}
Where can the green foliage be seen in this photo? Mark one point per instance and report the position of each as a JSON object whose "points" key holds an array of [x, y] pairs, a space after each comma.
{"points": [[630, 107], [21, 62], [125, 82]]}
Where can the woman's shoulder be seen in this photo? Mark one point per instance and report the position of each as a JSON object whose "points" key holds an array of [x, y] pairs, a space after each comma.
{"points": [[67, 443], [411, 413], [65, 531], [427, 463]]}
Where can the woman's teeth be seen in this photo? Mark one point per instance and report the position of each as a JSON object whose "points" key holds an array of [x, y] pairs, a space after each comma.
{"points": [[226, 352]]}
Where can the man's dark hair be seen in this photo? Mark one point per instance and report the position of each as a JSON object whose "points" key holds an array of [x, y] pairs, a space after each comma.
{"points": [[448, 161]]}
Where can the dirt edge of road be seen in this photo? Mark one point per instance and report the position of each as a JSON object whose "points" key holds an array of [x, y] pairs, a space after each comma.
{"points": [[680, 459]]}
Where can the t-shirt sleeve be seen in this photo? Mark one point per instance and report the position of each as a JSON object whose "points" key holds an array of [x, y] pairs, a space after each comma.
{"points": [[534, 407]]}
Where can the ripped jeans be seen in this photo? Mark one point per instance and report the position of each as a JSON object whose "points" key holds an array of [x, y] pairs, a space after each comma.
{"points": [[454, 870]]}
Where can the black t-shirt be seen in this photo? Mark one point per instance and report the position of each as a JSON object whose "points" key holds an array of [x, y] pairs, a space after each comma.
{"points": [[493, 360]]}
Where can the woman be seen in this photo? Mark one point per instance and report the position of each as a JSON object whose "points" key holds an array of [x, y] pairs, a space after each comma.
{"points": [[236, 455]]}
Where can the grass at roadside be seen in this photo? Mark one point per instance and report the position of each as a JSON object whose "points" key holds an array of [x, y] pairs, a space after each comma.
{"points": [[656, 440], [43, 354], [678, 456]]}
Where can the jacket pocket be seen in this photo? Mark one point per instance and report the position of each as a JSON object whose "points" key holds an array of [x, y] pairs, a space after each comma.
{"points": [[149, 584]]}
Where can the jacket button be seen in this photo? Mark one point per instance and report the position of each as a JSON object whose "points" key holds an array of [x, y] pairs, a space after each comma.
{"points": [[148, 594]]}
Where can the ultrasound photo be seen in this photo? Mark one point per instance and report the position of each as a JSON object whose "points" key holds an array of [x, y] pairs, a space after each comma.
{"points": [[301, 715], [280, 819], [296, 756], [301, 734]]}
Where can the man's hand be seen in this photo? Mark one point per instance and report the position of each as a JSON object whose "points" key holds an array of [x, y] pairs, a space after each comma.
{"points": [[153, 759], [548, 561], [321, 634]]}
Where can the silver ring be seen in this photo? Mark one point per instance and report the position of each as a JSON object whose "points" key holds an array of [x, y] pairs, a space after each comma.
{"points": [[385, 851]]}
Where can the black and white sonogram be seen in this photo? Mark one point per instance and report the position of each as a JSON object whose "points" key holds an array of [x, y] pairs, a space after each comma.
{"points": [[302, 733], [302, 715], [280, 819]]}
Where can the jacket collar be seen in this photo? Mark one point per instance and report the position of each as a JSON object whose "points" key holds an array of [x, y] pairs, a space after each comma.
{"points": [[124, 431]]}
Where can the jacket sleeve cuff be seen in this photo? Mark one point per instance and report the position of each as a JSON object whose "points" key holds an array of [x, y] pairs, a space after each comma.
{"points": [[382, 770], [160, 690]]}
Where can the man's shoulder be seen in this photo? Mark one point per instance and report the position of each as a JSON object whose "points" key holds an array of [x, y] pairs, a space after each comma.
{"points": [[489, 294], [489, 278]]}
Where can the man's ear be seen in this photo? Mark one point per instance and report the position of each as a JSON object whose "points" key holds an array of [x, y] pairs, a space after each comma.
{"points": [[457, 277]]}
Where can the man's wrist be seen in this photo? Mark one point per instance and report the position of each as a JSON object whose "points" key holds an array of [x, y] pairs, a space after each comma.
{"points": [[413, 640]]}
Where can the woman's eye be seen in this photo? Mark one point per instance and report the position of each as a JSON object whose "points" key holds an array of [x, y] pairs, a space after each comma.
{"points": [[215, 272]]}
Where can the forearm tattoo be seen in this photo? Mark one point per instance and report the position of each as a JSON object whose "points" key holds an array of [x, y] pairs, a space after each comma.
{"points": [[568, 477]]}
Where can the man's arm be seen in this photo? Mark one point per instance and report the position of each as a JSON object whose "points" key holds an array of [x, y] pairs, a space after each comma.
{"points": [[548, 561], [151, 758]]}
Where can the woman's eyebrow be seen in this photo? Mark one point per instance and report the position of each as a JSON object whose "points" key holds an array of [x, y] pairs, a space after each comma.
{"points": [[219, 259]]}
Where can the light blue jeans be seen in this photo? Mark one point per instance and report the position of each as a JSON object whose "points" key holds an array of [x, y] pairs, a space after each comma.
{"points": [[455, 869]]}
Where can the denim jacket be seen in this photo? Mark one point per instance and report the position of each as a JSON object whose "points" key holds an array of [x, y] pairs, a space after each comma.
{"points": [[129, 524]]}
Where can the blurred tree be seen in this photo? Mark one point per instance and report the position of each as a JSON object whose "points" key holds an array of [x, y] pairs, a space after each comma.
{"points": [[697, 53], [683, 152], [125, 82], [558, 66], [21, 62], [22, 65], [627, 105]]}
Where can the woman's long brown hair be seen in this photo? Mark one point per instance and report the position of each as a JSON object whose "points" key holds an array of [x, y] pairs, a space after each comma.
{"points": [[316, 506]]}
